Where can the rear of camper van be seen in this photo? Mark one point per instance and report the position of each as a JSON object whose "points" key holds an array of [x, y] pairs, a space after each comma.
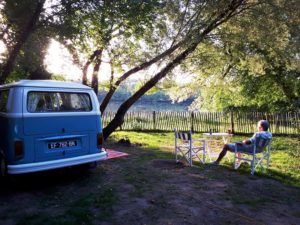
{"points": [[49, 125]]}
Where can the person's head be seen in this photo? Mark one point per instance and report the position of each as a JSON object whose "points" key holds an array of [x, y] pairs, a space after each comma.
{"points": [[263, 125]]}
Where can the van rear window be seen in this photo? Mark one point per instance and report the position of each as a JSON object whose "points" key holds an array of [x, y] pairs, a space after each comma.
{"points": [[3, 100], [58, 102]]}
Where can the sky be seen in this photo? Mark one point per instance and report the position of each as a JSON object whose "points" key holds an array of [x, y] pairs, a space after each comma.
{"points": [[58, 61], [2, 50]]}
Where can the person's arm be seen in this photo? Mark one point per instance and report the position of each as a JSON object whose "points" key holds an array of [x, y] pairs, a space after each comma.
{"points": [[247, 142], [250, 141]]}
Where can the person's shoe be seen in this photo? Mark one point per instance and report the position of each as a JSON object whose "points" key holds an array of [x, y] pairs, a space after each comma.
{"points": [[237, 164], [214, 163]]}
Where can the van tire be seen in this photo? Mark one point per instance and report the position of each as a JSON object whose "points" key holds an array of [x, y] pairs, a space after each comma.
{"points": [[3, 167]]}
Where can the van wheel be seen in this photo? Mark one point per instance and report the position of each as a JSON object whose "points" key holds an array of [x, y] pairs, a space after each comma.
{"points": [[3, 168]]}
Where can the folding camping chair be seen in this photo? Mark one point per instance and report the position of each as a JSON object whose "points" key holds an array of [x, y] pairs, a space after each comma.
{"points": [[258, 154], [187, 148]]}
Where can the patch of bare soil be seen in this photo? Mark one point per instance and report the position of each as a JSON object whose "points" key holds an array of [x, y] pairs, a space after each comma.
{"points": [[168, 164], [143, 188]]}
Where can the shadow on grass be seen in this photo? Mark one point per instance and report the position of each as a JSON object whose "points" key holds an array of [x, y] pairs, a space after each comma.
{"points": [[284, 178]]}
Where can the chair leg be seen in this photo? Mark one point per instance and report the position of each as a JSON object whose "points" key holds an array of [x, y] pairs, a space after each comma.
{"points": [[268, 160], [237, 160], [253, 165], [234, 161], [190, 157], [208, 150]]}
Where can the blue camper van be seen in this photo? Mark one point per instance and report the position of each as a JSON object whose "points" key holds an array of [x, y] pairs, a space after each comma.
{"points": [[47, 125]]}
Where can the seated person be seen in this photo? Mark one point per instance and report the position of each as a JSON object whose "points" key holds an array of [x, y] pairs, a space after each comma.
{"points": [[246, 145]]}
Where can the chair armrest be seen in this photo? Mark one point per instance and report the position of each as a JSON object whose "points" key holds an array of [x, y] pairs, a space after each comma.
{"points": [[239, 143]]}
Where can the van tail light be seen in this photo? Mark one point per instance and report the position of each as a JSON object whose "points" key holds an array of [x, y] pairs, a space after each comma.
{"points": [[99, 140], [19, 151]]}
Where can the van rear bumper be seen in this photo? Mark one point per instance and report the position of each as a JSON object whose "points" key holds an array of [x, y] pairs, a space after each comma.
{"points": [[55, 164]]}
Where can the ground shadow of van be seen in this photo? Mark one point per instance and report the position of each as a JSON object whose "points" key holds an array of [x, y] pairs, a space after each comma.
{"points": [[46, 180]]}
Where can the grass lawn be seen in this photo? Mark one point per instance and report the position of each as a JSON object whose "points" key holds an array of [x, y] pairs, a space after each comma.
{"points": [[285, 153]]}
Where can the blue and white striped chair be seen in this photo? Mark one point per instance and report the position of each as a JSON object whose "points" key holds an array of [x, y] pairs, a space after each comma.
{"points": [[188, 149]]}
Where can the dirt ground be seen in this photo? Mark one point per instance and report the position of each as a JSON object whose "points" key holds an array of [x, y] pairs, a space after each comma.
{"points": [[147, 187]]}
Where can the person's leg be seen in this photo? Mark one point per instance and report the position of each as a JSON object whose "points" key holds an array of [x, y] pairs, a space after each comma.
{"points": [[226, 147], [222, 153]]}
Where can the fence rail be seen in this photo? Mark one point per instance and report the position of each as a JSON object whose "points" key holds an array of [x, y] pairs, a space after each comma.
{"points": [[280, 123]]}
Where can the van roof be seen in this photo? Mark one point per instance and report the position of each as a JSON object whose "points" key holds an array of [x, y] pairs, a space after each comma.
{"points": [[46, 83]]}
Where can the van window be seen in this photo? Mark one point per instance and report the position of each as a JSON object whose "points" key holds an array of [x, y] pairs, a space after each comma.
{"points": [[58, 102], [3, 100]]}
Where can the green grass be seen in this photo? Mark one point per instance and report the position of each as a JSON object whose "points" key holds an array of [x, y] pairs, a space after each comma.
{"points": [[285, 153], [78, 211]]}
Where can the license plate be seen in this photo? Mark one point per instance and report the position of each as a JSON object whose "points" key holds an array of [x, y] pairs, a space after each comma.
{"points": [[62, 144]]}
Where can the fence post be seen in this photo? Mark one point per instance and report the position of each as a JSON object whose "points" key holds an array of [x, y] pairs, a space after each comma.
{"points": [[192, 122], [232, 122], [154, 120]]}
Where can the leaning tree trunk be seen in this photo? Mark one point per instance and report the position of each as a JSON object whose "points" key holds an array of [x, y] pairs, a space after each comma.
{"points": [[142, 66], [119, 117], [31, 26], [88, 63], [95, 78]]}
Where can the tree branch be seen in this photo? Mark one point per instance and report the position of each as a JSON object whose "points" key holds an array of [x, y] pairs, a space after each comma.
{"points": [[24, 35]]}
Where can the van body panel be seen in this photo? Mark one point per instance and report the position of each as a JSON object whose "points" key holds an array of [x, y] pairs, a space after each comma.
{"points": [[59, 124], [55, 147]]}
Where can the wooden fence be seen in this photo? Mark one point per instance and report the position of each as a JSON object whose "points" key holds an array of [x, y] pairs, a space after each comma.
{"points": [[280, 123]]}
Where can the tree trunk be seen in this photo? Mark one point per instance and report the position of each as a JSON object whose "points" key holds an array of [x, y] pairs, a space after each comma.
{"points": [[88, 63], [142, 66], [110, 91], [95, 80], [119, 117], [31, 26]]}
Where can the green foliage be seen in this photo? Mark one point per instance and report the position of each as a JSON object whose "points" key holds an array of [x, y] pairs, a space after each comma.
{"points": [[17, 14], [58, 77], [30, 60], [251, 62], [113, 26]]}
